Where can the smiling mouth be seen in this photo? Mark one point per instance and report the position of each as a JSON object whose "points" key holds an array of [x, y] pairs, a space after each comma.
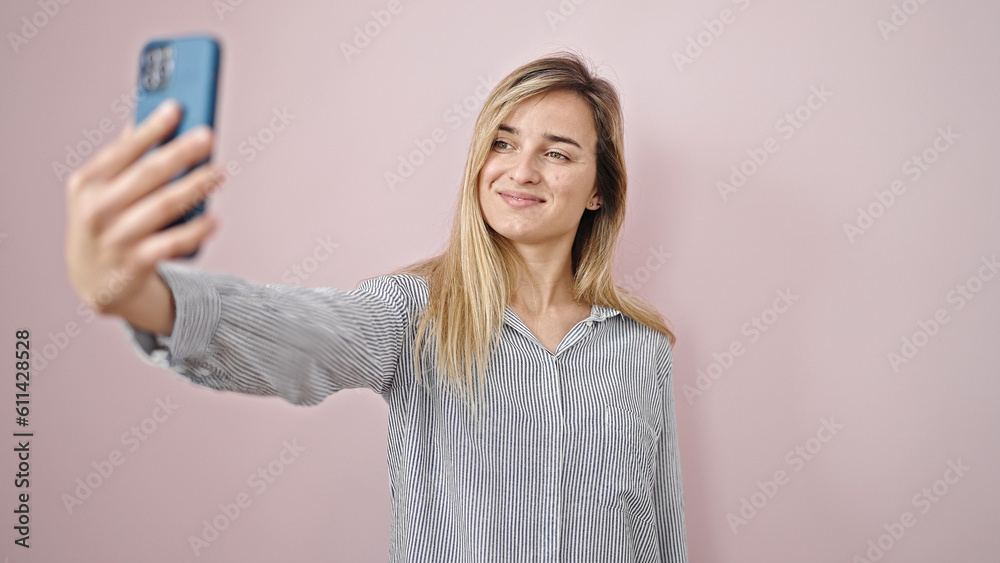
{"points": [[520, 203], [516, 198]]}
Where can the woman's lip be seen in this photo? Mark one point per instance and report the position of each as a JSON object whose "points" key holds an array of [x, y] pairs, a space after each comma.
{"points": [[520, 195], [519, 203]]}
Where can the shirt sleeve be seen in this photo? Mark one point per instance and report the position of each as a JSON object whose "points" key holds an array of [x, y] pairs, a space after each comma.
{"points": [[668, 491], [301, 344]]}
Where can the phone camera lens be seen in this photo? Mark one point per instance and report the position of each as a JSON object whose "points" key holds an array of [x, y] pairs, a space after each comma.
{"points": [[157, 68]]}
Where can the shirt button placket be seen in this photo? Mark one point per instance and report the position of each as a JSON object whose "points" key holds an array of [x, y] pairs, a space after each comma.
{"points": [[556, 469]]}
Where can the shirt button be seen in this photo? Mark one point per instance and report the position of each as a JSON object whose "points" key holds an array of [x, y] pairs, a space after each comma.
{"points": [[590, 323]]}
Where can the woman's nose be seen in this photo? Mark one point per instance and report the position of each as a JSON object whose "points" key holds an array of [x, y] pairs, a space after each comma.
{"points": [[525, 169]]}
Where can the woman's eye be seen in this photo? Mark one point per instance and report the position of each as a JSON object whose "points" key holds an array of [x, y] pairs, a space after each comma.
{"points": [[503, 145]]}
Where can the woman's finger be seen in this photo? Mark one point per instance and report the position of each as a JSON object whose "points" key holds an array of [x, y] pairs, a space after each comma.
{"points": [[175, 241], [132, 143], [162, 207], [152, 171]]}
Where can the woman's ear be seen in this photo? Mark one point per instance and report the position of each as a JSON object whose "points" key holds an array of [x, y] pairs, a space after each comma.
{"points": [[595, 198], [594, 203]]}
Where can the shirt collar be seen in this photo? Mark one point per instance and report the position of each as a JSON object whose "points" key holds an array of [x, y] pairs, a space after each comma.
{"points": [[597, 313]]}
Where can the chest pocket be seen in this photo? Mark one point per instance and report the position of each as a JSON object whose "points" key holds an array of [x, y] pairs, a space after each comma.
{"points": [[629, 452]]}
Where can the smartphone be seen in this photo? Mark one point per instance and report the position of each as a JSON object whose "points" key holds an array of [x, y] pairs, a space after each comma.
{"points": [[187, 70]]}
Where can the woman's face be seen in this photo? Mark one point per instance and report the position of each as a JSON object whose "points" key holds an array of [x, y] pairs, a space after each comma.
{"points": [[545, 154]]}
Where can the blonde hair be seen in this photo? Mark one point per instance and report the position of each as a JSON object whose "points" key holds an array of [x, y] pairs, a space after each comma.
{"points": [[471, 282]]}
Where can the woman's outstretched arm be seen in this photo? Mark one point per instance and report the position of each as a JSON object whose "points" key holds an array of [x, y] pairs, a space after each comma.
{"points": [[301, 344]]}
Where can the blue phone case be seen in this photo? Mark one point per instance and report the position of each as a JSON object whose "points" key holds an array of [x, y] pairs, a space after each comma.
{"points": [[185, 69]]}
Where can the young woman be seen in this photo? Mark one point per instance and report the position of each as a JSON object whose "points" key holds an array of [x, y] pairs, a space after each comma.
{"points": [[531, 413]]}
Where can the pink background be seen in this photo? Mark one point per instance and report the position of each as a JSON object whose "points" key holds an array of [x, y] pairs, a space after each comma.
{"points": [[711, 265]]}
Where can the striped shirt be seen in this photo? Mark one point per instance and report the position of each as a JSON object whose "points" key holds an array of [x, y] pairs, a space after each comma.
{"points": [[574, 458]]}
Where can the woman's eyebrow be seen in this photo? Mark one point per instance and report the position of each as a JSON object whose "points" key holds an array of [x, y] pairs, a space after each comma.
{"points": [[548, 136]]}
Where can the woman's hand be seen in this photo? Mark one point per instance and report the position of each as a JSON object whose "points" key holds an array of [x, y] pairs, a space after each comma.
{"points": [[115, 210]]}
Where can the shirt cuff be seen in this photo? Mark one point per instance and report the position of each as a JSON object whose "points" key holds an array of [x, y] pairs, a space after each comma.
{"points": [[196, 315]]}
